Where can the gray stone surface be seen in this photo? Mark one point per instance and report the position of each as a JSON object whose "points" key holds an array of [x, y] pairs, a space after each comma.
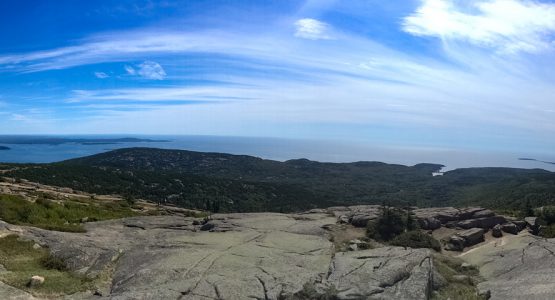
{"points": [[485, 222], [465, 238], [516, 267], [243, 256], [383, 273], [429, 223], [496, 231], [11, 293], [511, 228]]}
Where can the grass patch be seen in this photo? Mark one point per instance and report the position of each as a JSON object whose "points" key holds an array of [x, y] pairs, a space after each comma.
{"points": [[449, 267], [23, 262], [416, 239], [65, 216]]}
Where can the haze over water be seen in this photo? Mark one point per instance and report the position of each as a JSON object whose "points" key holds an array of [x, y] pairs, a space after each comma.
{"points": [[285, 149]]}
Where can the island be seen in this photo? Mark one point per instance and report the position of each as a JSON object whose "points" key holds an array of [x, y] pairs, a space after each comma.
{"points": [[46, 140]]}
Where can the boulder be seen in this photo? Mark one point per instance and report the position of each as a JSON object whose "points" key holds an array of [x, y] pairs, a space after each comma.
{"points": [[207, 227], [343, 219], [532, 222], [485, 223], [511, 228], [464, 239], [443, 214], [470, 213], [35, 281], [533, 225], [461, 279], [483, 214], [496, 231], [455, 243], [361, 220], [472, 236], [430, 223], [520, 224], [466, 266]]}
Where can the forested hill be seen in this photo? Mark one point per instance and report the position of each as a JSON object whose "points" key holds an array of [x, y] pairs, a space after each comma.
{"points": [[226, 182]]}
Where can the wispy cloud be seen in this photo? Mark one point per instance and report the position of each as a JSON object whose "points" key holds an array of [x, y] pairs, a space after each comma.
{"points": [[130, 70], [151, 70], [312, 29], [148, 70], [101, 75], [507, 25]]}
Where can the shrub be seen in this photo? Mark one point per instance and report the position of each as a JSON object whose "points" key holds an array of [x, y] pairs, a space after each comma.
{"points": [[53, 263], [391, 223], [548, 231], [416, 239], [547, 214]]}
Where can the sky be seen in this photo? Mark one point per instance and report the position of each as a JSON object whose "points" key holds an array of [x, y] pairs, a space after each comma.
{"points": [[422, 73]]}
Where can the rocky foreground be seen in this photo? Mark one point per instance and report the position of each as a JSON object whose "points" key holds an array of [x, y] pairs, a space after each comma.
{"points": [[275, 256]]}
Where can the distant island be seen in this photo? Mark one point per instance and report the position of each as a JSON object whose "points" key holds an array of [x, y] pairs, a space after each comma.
{"points": [[4, 148], [533, 159], [45, 140]]}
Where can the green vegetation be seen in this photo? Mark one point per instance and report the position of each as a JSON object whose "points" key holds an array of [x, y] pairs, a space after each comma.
{"points": [[61, 216], [546, 215], [389, 225], [23, 261], [416, 239], [449, 268], [398, 228], [235, 183]]}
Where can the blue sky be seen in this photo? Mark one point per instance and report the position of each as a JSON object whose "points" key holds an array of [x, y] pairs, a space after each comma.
{"points": [[424, 73]]}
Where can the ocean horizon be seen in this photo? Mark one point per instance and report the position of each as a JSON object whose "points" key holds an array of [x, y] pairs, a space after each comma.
{"points": [[280, 149]]}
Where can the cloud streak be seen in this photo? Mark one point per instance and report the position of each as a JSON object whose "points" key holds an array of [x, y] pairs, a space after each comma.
{"points": [[510, 26], [312, 29]]}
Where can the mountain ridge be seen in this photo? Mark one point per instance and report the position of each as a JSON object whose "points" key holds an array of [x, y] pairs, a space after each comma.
{"points": [[228, 182]]}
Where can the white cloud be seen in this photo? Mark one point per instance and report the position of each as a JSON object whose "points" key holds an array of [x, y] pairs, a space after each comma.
{"points": [[101, 75], [130, 70], [509, 26], [19, 118], [312, 29], [151, 70]]}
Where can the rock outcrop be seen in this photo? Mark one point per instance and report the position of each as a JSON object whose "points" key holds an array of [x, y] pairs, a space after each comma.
{"points": [[428, 218], [167, 257], [516, 267], [383, 273], [464, 239]]}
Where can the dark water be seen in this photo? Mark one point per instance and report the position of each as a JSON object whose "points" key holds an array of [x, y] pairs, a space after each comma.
{"points": [[284, 149]]}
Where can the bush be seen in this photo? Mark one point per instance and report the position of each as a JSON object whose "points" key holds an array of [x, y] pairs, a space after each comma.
{"points": [[416, 239], [547, 214], [53, 263], [548, 231], [391, 223]]}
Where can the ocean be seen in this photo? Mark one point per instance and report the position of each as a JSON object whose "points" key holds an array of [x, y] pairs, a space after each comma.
{"points": [[283, 149]]}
